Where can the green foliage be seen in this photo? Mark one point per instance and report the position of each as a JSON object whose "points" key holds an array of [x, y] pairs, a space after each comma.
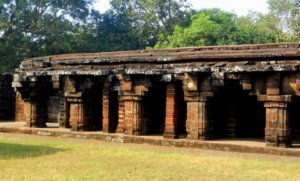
{"points": [[288, 14], [217, 27], [37, 27], [30, 28], [153, 20], [256, 28]]}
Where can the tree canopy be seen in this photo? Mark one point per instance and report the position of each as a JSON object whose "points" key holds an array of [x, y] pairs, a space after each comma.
{"points": [[30, 28]]}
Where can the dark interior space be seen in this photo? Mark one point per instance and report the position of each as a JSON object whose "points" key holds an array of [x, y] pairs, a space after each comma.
{"points": [[235, 114], [93, 107], [53, 108], [113, 111], [67, 115], [295, 119], [181, 125], [154, 104]]}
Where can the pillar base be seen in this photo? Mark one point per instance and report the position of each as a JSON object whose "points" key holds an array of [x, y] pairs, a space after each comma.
{"points": [[203, 138], [41, 125], [281, 145], [170, 136], [78, 127]]}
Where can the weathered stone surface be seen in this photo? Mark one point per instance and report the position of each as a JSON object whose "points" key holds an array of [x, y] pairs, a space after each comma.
{"points": [[119, 90], [243, 58]]}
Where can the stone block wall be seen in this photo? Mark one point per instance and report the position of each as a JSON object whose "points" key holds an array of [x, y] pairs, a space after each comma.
{"points": [[7, 97]]}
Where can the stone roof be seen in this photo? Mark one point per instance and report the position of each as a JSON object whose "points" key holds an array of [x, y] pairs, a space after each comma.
{"points": [[234, 58]]}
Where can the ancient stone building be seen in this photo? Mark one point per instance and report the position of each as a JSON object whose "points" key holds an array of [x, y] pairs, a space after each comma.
{"points": [[7, 97], [196, 93]]}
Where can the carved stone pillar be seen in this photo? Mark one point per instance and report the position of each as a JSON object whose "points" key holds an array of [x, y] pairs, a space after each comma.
{"points": [[171, 118], [130, 101], [197, 120], [278, 130], [79, 102], [35, 92], [121, 110], [105, 108], [110, 106], [77, 113], [197, 90], [64, 112], [35, 111], [132, 115]]}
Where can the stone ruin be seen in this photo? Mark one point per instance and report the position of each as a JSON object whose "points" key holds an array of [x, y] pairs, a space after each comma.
{"points": [[194, 93]]}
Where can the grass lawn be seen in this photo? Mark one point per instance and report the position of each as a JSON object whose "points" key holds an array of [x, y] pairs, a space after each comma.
{"points": [[25, 157]]}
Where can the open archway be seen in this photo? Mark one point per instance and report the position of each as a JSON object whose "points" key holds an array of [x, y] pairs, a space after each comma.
{"points": [[235, 114]]}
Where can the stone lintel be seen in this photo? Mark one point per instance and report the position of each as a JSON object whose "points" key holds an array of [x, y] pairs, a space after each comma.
{"points": [[73, 95], [274, 98]]}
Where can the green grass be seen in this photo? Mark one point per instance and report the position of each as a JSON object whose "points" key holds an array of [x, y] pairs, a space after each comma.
{"points": [[41, 158]]}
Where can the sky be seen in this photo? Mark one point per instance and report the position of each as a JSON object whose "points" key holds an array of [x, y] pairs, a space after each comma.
{"points": [[240, 7]]}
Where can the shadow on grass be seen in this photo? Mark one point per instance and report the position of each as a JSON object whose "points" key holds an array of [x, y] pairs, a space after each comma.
{"points": [[13, 151]]}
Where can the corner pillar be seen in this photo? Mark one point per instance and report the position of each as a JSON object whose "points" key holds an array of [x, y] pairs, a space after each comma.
{"points": [[35, 111]]}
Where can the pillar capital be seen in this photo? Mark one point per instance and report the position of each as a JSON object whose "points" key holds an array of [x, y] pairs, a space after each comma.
{"points": [[275, 98], [131, 98], [133, 86], [276, 104], [73, 97]]}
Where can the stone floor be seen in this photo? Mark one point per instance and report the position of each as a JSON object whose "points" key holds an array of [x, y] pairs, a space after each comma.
{"points": [[236, 145]]}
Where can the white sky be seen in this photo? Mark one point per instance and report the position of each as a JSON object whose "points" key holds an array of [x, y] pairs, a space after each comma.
{"points": [[240, 7]]}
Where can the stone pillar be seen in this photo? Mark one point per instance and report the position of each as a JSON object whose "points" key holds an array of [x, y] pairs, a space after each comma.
{"points": [[130, 103], [132, 115], [64, 111], [19, 113], [105, 110], [35, 112], [197, 123], [77, 115], [121, 125], [278, 130], [171, 118], [197, 90]]}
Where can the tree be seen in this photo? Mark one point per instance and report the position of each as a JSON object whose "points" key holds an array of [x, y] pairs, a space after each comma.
{"points": [[288, 13], [256, 28], [153, 20], [217, 27], [37, 27], [208, 27]]}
